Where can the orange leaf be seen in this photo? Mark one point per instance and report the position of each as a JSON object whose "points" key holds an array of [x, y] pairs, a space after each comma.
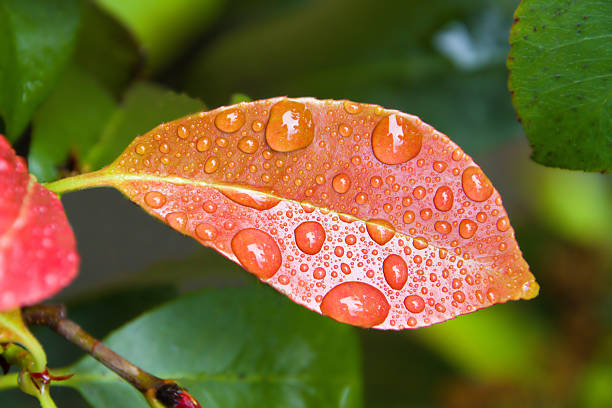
{"points": [[37, 247], [364, 214]]}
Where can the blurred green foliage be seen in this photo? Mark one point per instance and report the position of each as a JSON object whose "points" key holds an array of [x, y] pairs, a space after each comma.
{"points": [[115, 69]]}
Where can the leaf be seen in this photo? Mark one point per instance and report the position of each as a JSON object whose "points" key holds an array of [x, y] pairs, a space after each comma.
{"points": [[150, 21], [36, 40], [145, 105], [37, 247], [561, 80], [65, 125], [248, 348], [364, 214]]}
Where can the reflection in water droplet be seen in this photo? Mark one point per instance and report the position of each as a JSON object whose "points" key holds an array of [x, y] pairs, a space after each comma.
{"points": [[230, 120], [395, 271], [206, 231], [309, 237], [381, 231], [155, 199], [443, 200], [249, 196], [476, 185], [414, 303], [257, 252], [290, 126], [341, 183], [396, 140], [356, 303], [467, 228]]}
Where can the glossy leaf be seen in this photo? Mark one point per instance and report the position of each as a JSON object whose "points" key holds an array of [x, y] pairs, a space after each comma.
{"points": [[364, 214], [561, 79], [37, 246], [36, 40], [247, 348]]}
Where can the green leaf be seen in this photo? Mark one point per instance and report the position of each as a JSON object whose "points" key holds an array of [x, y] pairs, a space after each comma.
{"points": [[106, 49], [145, 106], [234, 347], [164, 27], [561, 79], [68, 123], [36, 40]]}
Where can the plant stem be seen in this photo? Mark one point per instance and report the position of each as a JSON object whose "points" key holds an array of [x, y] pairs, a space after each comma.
{"points": [[54, 316], [99, 178]]}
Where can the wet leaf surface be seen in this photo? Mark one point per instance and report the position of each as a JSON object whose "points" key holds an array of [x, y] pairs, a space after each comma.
{"points": [[561, 79], [37, 248], [367, 215]]}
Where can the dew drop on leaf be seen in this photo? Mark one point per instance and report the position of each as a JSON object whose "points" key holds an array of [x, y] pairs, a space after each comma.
{"points": [[290, 126], [309, 237], [476, 185], [414, 303], [257, 252], [356, 303], [396, 140], [443, 200], [230, 120], [395, 271], [381, 231]]}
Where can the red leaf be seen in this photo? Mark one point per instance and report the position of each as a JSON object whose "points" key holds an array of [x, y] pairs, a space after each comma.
{"points": [[37, 246], [367, 215]]}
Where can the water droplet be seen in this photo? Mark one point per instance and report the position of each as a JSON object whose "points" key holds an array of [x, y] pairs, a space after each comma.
{"points": [[419, 192], [352, 107], [141, 149], [476, 185], [177, 220], [345, 268], [211, 165], [209, 207], [381, 231], [345, 130], [155, 199], [457, 154], [414, 303], [339, 251], [395, 271], [229, 120], [309, 237], [467, 228], [203, 144], [257, 125], [350, 239], [249, 196], [396, 140], [341, 183], [361, 198], [439, 166], [459, 296], [376, 181], [290, 126], [206, 231], [164, 148], [408, 217], [481, 217], [257, 252], [182, 132], [356, 303], [443, 227], [420, 242], [443, 199], [503, 224], [248, 144]]}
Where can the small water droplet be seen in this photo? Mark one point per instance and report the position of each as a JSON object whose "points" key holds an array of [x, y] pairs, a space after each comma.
{"points": [[182, 132], [345, 130], [443, 227], [476, 185], [408, 217], [155, 199], [361, 198], [230, 120], [257, 125], [257, 252], [419, 192], [439, 166], [356, 303], [290, 126], [309, 237], [345, 269], [503, 224], [396, 140], [211, 165], [443, 199], [203, 144], [206, 231], [467, 228], [395, 271], [414, 303], [141, 149], [209, 207], [164, 148], [381, 231], [341, 183], [352, 107]]}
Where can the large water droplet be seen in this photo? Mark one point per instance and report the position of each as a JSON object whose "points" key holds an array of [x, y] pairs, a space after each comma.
{"points": [[257, 252], [177, 220], [381, 231], [290, 126], [206, 231], [341, 183], [396, 140], [467, 228], [395, 271], [309, 237], [230, 120], [443, 200], [155, 199], [249, 196], [414, 303], [356, 303], [476, 185]]}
